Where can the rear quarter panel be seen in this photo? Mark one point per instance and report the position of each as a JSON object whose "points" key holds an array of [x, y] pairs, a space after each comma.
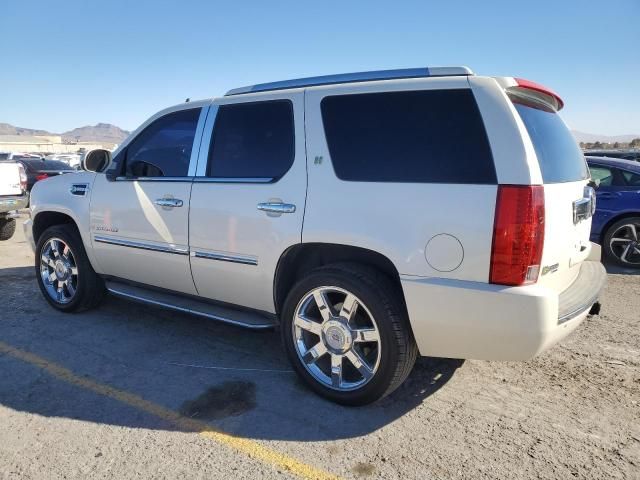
{"points": [[395, 219]]}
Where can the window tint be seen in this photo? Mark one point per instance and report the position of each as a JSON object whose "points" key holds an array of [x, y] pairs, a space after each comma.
{"points": [[431, 136], [602, 174], [559, 155], [631, 179], [252, 140], [163, 149], [38, 165]]}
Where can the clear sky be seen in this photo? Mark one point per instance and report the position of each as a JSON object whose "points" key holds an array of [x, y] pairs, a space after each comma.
{"points": [[70, 63]]}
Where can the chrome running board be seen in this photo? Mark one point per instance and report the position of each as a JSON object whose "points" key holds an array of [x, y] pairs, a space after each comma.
{"points": [[201, 308]]}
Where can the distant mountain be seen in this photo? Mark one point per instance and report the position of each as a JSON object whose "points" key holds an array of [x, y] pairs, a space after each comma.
{"points": [[7, 129], [594, 137], [102, 132]]}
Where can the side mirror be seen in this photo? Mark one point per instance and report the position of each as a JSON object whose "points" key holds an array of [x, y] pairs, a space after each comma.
{"points": [[593, 183], [96, 161]]}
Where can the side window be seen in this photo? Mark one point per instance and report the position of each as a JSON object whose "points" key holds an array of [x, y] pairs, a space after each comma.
{"points": [[428, 136], [630, 178], [163, 149], [602, 174], [252, 140]]}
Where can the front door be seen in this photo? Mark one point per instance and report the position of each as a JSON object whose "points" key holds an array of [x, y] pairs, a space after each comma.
{"points": [[248, 198], [139, 220]]}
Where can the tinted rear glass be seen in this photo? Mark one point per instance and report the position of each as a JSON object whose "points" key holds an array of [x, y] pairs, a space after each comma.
{"points": [[429, 136], [253, 140], [37, 165], [559, 155]]}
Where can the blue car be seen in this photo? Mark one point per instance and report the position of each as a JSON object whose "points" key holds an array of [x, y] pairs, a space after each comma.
{"points": [[616, 222]]}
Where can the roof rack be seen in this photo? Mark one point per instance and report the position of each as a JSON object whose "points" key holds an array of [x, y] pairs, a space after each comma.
{"points": [[353, 78]]}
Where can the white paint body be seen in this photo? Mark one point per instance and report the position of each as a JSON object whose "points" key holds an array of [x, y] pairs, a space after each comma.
{"points": [[439, 237], [10, 179]]}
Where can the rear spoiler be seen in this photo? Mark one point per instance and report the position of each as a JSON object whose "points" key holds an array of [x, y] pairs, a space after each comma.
{"points": [[528, 92]]}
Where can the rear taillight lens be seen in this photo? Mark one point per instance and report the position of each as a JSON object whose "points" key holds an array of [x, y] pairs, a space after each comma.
{"points": [[23, 177], [518, 235], [41, 176]]}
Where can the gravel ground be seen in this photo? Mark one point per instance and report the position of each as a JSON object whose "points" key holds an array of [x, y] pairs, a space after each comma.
{"points": [[121, 392]]}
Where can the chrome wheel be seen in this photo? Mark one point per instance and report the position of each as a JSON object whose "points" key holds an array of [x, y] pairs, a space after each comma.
{"points": [[58, 270], [336, 338], [625, 244]]}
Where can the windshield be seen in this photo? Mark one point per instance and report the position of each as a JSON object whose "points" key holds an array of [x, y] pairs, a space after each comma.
{"points": [[559, 155]]}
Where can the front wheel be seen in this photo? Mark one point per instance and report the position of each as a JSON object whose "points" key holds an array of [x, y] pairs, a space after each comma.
{"points": [[622, 242], [65, 276], [345, 331]]}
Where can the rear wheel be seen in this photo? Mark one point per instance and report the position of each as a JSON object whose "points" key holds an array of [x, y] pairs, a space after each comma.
{"points": [[7, 228], [622, 242], [345, 331], [65, 276]]}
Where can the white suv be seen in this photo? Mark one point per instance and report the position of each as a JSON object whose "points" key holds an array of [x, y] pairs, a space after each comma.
{"points": [[373, 217]]}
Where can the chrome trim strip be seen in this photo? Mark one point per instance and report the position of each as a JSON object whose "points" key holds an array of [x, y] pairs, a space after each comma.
{"points": [[197, 139], [583, 307], [246, 260], [140, 245], [233, 180], [205, 143], [155, 179], [170, 306]]}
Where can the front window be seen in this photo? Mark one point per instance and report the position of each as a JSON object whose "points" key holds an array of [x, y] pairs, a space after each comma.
{"points": [[163, 149]]}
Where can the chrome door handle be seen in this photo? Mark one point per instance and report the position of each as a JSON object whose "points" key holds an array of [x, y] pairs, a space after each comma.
{"points": [[277, 207], [168, 202]]}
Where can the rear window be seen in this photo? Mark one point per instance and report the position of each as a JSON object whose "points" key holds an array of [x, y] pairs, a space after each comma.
{"points": [[37, 165], [559, 155], [253, 140], [428, 136]]}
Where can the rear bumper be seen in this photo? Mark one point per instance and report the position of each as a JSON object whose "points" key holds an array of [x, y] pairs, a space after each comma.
{"points": [[459, 319], [9, 204]]}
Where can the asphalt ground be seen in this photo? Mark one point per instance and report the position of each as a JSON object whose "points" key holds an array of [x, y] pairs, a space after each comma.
{"points": [[129, 391]]}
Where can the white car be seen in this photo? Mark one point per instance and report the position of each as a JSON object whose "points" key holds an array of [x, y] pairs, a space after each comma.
{"points": [[372, 216], [13, 196]]}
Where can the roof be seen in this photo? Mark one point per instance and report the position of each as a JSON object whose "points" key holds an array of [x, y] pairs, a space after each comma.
{"points": [[616, 162], [354, 77]]}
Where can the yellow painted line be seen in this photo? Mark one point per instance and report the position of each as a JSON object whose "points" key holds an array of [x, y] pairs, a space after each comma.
{"points": [[249, 447]]}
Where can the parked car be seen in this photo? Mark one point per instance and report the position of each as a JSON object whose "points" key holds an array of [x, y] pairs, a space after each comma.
{"points": [[616, 222], [632, 154], [71, 159], [13, 196], [373, 217], [39, 169]]}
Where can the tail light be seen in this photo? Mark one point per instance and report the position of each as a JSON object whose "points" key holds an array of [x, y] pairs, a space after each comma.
{"points": [[41, 176], [23, 177], [518, 235]]}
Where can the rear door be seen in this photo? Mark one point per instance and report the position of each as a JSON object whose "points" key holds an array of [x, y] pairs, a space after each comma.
{"points": [[568, 199], [248, 198]]}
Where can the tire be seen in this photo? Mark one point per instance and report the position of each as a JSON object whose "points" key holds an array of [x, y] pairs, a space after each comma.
{"points": [[388, 360], [88, 288], [7, 228], [616, 239]]}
